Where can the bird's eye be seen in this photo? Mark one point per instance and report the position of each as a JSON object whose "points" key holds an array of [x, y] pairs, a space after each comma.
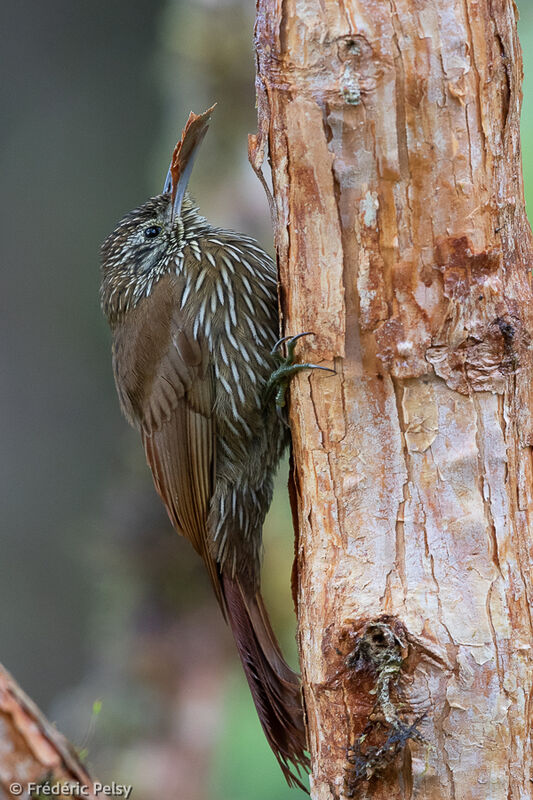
{"points": [[152, 231]]}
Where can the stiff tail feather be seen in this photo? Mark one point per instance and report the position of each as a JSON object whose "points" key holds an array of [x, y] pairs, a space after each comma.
{"points": [[274, 686]]}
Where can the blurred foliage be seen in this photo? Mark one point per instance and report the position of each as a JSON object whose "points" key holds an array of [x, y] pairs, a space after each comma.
{"points": [[108, 619], [244, 767], [525, 30]]}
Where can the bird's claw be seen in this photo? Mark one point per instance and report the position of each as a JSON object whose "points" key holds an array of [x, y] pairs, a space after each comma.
{"points": [[279, 380], [291, 343]]}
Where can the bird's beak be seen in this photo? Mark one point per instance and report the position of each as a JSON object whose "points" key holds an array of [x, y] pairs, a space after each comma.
{"points": [[183, 158], [168, 182], [183, 182]]}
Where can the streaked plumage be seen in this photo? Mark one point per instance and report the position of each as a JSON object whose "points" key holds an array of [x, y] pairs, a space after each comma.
{"points": [[193, 313]]}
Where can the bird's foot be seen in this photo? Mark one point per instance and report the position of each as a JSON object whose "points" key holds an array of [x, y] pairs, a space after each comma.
{"points": [[279, 380]]}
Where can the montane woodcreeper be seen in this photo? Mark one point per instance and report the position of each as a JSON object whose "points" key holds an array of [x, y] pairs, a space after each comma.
{"points": [[193, 311]]}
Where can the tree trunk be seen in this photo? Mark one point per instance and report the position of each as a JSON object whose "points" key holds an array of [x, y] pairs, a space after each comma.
{"points": [[403, 243]]}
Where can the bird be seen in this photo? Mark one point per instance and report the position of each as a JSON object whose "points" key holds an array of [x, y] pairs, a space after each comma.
{"points": [[193, 312]]}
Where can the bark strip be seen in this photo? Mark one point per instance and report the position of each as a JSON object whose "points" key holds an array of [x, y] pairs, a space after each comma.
{"points": [[402, 239], [31, 749]]}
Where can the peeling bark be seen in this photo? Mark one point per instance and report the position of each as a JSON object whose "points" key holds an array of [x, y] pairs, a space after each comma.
{"points": [[402, 239], [31, 749]]}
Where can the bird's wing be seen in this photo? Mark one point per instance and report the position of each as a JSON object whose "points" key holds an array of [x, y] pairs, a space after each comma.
{"points": [[175, 412]]}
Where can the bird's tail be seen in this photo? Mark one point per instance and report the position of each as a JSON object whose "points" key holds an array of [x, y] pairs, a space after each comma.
{"points": [[274, 686]]}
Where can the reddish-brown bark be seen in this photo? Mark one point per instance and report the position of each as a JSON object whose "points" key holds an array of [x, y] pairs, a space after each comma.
{"points": [[402, 238], [32, 751]]}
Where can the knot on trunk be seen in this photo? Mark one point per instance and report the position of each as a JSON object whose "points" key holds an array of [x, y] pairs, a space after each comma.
{"points": [[379, 656]]}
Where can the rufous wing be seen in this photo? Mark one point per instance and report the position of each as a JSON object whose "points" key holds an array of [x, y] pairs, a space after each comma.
{"points": [[175, 415]]}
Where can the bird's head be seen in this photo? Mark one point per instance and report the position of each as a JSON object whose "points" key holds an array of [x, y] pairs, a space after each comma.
{"points": [[149, 240]]}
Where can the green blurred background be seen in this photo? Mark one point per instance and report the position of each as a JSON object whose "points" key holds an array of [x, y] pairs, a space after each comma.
{"points": [[107, 619]]}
